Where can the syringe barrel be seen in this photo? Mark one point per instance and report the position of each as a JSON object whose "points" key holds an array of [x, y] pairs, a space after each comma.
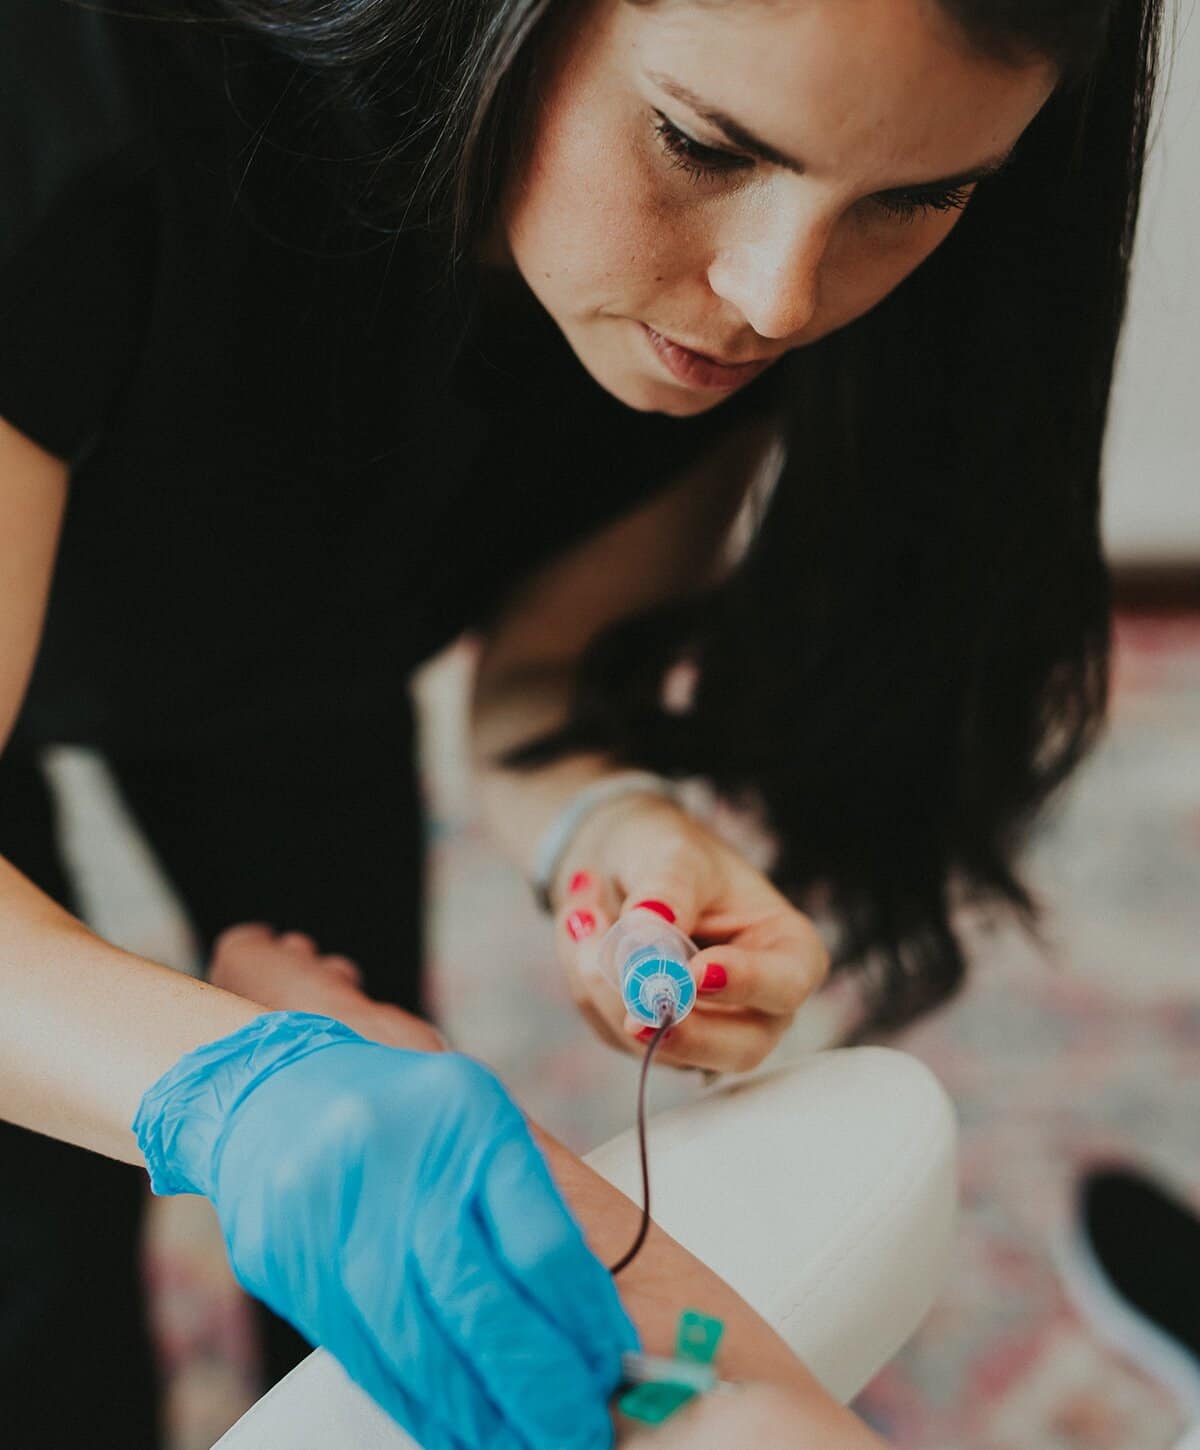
{"points": [[646, 958]]}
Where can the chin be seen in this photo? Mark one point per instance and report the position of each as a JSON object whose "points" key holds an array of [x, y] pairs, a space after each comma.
{"points": [[633, 385], [688, 405], [649, 395]]}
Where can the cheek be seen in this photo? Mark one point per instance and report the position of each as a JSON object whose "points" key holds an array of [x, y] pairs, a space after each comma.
{"points": [[586, 225]]}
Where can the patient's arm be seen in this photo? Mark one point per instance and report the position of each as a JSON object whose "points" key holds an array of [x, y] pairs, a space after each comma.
{"points": [[787, 1406], [781, 1407]]}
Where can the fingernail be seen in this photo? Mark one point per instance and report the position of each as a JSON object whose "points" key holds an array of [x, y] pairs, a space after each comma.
{"points": [[668, 1035], [646, 1034], [580, 881], [580, 924], [715, 978], [660, 906]]}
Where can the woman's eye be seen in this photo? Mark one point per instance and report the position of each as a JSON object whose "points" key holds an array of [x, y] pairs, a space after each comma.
{"points": [[691, 157], [700, 162], [908, 207]]}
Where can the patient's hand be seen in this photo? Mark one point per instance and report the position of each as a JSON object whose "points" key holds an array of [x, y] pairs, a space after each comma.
{"points": [[287, 973]]}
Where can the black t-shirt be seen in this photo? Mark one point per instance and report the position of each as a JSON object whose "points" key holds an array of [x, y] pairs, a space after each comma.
{"points": [[292, 478]]}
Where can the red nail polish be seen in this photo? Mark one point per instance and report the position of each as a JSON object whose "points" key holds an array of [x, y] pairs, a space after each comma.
{"points": [[660, 906], [646, 1034], [580, 924], [715, 978], [580, 881]]}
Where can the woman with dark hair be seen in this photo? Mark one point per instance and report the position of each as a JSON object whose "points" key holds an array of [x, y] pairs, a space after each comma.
{"points": [[336, 329]]}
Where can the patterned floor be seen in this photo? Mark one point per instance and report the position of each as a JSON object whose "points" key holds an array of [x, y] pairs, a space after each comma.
{"points": [[1057, 1060], [1053, 1059]]}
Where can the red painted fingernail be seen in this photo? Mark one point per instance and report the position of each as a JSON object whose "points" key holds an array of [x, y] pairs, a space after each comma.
{"points": [[580, 924], [660, 906], [714, 978], [646, 1034], [668, 1035], [580, 881]]}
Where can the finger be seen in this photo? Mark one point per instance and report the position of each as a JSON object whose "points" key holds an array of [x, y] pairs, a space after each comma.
{"points": [[418, 1354], [245, 933], [670, 892], [509, 1351], [579, 932], [583, 887], [582, 917], [728, 1042], [600, 1019], [601, 1003], [298, 941], [776, 982], [671, 878], [545, 1251], [344, 968]]}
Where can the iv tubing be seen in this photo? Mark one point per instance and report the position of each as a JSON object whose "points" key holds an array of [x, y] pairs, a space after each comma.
{"points": [[628, 1257]]}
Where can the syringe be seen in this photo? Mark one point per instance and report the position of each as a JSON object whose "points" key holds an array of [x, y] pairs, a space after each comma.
{"points": [[646, 958]]}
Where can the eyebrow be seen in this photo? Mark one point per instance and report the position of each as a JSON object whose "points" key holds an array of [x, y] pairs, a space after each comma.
{"points": [[745, 140]]}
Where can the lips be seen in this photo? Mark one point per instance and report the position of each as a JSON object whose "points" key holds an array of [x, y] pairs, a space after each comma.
{"points": [[700, 370], [712, 357]]}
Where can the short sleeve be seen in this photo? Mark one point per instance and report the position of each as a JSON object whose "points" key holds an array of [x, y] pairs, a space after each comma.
{"points": [[76, 221]]}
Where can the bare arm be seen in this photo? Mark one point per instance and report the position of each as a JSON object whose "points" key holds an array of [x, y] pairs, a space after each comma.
{"points": [[663, 1280], [33, 498], [85, 1028], [672, 547]]}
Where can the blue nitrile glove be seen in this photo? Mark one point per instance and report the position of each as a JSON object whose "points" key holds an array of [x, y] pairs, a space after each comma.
{"points": [[395, 1208]]}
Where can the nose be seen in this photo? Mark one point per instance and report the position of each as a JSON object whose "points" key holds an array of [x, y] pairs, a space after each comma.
{"points": [[772, 274]]}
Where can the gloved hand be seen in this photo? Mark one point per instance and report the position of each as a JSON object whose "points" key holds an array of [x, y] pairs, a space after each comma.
{"points": [[394, 1207]]}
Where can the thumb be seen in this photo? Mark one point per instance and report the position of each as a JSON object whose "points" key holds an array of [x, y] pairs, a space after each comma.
{"points": [[673, 895]]}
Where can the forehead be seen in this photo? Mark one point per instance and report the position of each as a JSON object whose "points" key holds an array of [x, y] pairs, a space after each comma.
{"points": [[887, 86]]}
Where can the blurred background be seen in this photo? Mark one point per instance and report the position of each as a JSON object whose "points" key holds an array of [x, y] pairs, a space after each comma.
{"points": [[1056, 1057]]}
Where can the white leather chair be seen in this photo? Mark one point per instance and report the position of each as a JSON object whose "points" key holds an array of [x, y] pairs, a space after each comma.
{"points": [[824, 1193]]}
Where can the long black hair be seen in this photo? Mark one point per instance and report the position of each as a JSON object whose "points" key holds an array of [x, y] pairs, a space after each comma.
{"points": [[913, 652]]}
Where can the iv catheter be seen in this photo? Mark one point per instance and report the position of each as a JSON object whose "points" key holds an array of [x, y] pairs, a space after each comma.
{"points": [[661, 1385], [640, 1369]]}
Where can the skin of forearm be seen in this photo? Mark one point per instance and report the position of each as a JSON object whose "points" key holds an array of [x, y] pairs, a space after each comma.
{"points": [[508, 709], [665, 1278], [87, 1028], [650, 1284]]}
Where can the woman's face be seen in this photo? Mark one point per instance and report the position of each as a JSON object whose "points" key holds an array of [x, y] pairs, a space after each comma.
{"points": [[651, 225]]}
